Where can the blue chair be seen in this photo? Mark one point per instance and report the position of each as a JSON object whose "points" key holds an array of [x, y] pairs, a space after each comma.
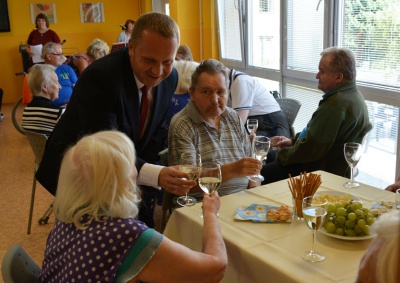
{"points": [[18, 266]]}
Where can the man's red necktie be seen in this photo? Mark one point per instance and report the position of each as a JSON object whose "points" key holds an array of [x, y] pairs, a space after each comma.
{"points": [[144, 109]]}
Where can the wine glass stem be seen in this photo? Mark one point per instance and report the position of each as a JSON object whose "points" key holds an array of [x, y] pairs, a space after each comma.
{"points": [[351, 173], [187, 198], [313, 242]]}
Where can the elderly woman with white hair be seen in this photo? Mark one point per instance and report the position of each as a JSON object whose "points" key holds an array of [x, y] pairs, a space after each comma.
{"points": [[80, 61], [41, 114], [96, 237], [381, 262]]}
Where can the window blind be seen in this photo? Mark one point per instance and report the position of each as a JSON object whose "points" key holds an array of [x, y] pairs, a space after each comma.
{"points": [[371, 29]]}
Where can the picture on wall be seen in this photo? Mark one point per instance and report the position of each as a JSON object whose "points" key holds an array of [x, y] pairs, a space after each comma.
{"points": [[92, 12], [48, 9], [4, 19]]}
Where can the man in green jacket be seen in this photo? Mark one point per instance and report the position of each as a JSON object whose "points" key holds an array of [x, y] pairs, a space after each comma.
{"points": [[341, 117]]}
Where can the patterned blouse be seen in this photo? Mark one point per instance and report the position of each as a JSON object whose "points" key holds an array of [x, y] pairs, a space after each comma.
{"points": [[112, 250]]}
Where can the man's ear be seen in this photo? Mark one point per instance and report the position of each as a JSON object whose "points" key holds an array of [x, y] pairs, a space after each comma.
{"points": [[339, 77], [130, 48]]}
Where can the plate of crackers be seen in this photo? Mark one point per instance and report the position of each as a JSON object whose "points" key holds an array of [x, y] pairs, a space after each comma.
{"points": [[264, 213], [381, 207]]}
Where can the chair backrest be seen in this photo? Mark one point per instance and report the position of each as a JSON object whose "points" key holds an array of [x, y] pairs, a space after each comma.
{"points": [[291, 108], [38, 144], [18, 266]]}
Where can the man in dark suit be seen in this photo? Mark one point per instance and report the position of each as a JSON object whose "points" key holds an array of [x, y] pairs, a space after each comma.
{"points": [[109, 95]]}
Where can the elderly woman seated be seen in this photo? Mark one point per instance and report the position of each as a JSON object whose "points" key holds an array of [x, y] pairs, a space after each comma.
{"points": [[96, 237], [41, 115], [79, 61]]}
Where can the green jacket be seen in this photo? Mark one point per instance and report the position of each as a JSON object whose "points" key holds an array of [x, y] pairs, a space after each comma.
{"points": [[342, 116]]}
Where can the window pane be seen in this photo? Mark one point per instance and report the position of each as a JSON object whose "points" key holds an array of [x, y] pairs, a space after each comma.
{"points": [[304, 34], [371, 29], [229, 30], [264, 34], [309, 99], [377, 166]]}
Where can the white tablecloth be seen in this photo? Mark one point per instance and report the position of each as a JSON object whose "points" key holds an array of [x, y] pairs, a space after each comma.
{"points": [[271, 252]]}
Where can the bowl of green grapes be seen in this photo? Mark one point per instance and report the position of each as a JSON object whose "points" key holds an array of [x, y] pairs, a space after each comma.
{"points": [[346, 217]]}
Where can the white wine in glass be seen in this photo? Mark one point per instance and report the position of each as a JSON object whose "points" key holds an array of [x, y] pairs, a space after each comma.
{"points": [[352, 154], [252, 125], [190, 164], [314, 215], [210, 177], [261, 147]]}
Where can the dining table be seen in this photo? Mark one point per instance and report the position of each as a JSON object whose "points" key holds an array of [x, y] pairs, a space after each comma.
{"points": [[271, 252]]}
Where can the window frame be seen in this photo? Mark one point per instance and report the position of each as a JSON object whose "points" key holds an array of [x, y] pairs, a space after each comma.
{"points": [[331, 30]]}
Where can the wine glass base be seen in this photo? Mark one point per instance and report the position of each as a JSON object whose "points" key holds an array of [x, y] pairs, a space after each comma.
{"points": [[256, 178], [351, 185], [253, 178], [186, 201], [201, 215], [312, 256]]}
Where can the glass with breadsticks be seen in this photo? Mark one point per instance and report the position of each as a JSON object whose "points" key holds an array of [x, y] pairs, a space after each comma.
{"points": [[303, 186]]}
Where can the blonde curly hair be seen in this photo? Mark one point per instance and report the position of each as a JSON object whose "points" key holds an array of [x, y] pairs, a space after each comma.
{"points": [[98, 48]]}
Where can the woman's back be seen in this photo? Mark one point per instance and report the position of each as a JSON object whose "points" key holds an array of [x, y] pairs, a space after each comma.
{"points": [[98, 253]]}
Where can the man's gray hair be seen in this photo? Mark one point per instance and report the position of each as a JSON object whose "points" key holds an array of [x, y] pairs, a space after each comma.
{"points": [[49, 48], [209, 66], [343, 61]]}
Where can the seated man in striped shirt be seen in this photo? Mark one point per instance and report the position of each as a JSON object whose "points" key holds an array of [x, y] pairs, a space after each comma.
{"points": [[41, 115], [209, 128]]}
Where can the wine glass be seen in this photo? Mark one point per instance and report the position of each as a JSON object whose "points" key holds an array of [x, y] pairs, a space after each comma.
{"points": [[252, 125], [260, 148], [314, 215], [210, 178], [352, 153], [190, 164]]}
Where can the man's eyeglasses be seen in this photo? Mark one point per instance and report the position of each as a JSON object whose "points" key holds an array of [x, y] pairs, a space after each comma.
{"points": [[57, 54]]}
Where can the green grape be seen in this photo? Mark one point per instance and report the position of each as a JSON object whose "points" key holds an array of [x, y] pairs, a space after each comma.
{"points": [[330, 227], [340, 220], [350, 224], [366, 229], [355, 205], [359, 213], [330, 207], [339, 231], [357, 229], [350, 233], [351, 216], [361, 223], [370, 220], [340, 211], [338, 204]]}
